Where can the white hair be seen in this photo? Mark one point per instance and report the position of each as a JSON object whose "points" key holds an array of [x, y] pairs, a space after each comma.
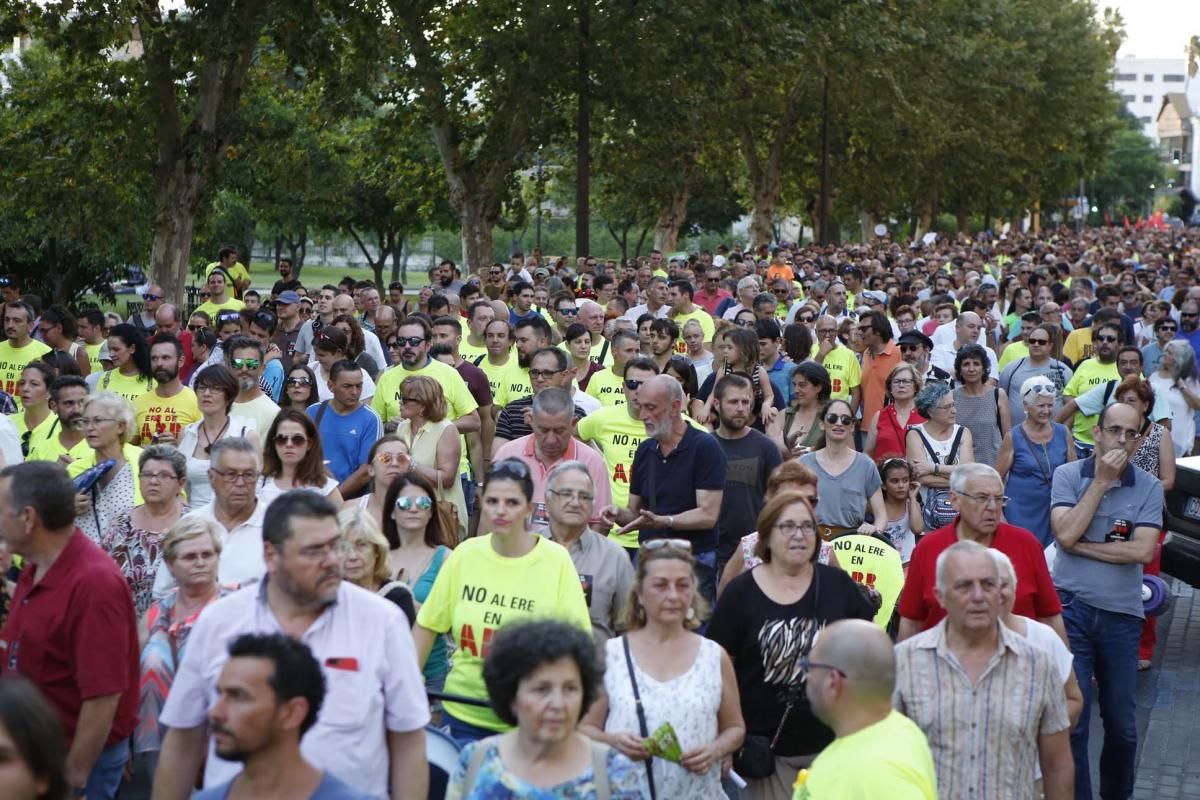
{"points": [[965, 547], [1004, 567], [965, 472]]}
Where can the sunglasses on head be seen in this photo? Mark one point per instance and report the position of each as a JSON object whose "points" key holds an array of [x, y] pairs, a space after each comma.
{"points": [[295, 439], [409, 503], [660, 544]]}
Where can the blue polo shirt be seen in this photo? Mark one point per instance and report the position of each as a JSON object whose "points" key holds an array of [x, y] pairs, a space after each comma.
{"points": [[780, 374], [1136, 502], [668, 485], [346, 439]]}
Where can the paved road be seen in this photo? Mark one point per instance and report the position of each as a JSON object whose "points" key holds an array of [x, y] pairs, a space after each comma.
{"points": [[1168, 708]]}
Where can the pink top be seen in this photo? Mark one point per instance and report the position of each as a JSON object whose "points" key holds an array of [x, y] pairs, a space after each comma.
{"points": [[576, 451]]}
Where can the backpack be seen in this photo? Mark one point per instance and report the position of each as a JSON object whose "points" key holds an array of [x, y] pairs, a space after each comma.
{"points": [[935, 505]]}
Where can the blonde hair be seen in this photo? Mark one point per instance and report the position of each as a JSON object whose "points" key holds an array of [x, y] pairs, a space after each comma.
{"points": [[118, 407], [635, 613], [186, 529], [428, 393], [357, 523]]}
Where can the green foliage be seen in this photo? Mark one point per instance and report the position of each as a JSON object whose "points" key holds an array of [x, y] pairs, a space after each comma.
{"points": [[1123, 185], [75, 169]]}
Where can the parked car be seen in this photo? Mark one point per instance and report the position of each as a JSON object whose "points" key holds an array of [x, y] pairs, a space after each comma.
{"points": [[1181, 550]]}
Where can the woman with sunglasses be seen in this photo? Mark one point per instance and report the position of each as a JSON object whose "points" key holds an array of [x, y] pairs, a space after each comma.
{"points": [[1028, 456], [356, 351], [332, 345], [130, 376], [416, 548], [1176, 380], [292, 459], [434, 445], [34, 422], [888, 425], [299, 388], [216, 391], [662, 672], [848, 480], [387, 461], [491, 580], [768, 621]]}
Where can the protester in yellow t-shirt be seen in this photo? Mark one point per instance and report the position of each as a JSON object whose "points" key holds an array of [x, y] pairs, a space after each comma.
{"points": [[239, 276], [878, 751], [19, 348], [501, 576], [161, 414], [219, 297], [414, 336]]}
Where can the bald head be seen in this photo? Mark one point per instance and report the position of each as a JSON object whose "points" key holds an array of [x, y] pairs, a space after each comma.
{"points": [[863, 651], [664, 388]]}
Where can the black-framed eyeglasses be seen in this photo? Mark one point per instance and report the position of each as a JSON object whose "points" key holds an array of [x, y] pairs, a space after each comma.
{"points": [[544, 374], [807, 665]]}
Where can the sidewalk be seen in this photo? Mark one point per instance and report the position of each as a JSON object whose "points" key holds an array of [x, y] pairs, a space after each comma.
{"points": [[1168, 699]]}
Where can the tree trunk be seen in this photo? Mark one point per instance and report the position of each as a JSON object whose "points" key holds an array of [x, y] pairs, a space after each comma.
{"points": [[925, 214], [666, 229], [176, 199], [762, 218], [637, 251], [477, 224], [583, 212], [961, 219]]}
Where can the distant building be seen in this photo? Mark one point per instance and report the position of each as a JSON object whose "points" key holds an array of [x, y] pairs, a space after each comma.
{"points": [[1178, 123], [1142, 83]]}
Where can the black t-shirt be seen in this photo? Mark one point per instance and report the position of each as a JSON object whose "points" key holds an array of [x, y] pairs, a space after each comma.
{"points": [[285, 286], [751, 460], [766, 642]]}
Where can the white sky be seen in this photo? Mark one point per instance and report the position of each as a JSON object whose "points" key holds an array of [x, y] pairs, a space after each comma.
{"points": [[1156, 28]]}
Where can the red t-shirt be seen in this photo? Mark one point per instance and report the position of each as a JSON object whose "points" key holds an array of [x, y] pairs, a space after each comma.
{"points": [[1035, 596], [74, 635]]}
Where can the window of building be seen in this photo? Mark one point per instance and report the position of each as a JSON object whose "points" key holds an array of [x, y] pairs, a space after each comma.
{"points": [[1147, 98], [1144, 120], [1127, 76], [1172, 79], [1128, 98], [1148, 78]]}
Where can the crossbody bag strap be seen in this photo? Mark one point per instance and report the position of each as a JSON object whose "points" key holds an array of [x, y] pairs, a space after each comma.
{"points": [[641, 713], [928, 447], [600, 770], [954, 445], [1012, 375], [321, 413]]}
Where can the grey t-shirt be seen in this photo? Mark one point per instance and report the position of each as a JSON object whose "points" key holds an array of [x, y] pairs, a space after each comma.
{"points": [[1021, 370], [843, 497], [330, 788], [1137, 501]]}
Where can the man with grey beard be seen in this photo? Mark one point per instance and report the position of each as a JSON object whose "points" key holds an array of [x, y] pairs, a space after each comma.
{"points": [[677, 482]]}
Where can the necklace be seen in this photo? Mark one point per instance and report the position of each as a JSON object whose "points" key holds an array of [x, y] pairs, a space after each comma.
{"points": [[211, 440], [1044, 470]]}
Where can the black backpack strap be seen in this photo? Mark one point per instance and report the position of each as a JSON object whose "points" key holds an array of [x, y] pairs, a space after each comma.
{"points": [[996, 399], [1108, 390], [954, 446], [480, 359], [928, 448], [603, 352], [1013, 375], [321, 413]]}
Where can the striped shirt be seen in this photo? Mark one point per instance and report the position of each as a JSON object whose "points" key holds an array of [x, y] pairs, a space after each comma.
{"points": [[984, 737]]}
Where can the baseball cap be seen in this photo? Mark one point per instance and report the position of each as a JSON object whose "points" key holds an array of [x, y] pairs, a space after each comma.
{"points": [[876, 296], [541, 272], [288, 297]]}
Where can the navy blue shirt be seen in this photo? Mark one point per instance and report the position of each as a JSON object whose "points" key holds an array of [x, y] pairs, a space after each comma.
{"points": [[668, 485]]}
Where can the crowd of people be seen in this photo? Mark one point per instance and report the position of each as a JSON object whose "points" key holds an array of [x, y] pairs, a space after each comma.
{"points": [[841, 521]]}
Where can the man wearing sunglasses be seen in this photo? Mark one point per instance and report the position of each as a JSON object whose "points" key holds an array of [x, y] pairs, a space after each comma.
{"points": [[915, 348], [1092, 372], [144, 320], [710, 296], [1094, 400], [245, 355], [414, 336], [1036, 363], [1165, 329]]}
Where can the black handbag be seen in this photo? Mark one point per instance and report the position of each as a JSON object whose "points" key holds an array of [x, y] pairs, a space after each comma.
{"points": [[755, 759], [641, 714]]}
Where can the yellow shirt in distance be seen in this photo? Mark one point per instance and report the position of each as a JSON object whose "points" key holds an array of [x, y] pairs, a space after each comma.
{"points": [[13, 361]]}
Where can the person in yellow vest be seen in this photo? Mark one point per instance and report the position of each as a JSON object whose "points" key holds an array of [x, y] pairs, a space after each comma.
{"points": [[219, 298], [130, 375], [20, 348], [877, 752]]}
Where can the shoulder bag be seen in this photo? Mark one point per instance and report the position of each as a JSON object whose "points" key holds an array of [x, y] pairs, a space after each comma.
{"points": [[935, 506], [643, 729]]}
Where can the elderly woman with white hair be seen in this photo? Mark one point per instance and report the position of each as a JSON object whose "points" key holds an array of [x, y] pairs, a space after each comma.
{"points": [[108, 426], [1029, 454], [1039, 634], [1176, 380], [366, 559]]}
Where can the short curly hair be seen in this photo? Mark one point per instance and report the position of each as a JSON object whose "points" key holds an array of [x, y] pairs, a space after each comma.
{"points": [[971, 352], [930, 395], [520, 648]]}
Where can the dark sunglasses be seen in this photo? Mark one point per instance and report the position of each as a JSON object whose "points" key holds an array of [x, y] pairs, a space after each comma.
{"points": [[1037, 341], [1107, 339], [411, 341], [509, 468], [298, 382], [633, 385], [834, 419], [296, 439], [152, 296]]}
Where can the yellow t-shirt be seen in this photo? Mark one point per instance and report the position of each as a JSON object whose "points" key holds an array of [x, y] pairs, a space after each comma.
{"points": [[597, 349], [495, 375], [39, 432], [514, 384], [608, 387], [93, 351], [387, 389], [13, 361], [237, 272], [1011, 353], [47, 447], [706, 324], [1088, 375], [131, 387], [212, 309], [154, 415], [470, 352], [1079, 345], [888, 759], [478, 591], [845, 373]]}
